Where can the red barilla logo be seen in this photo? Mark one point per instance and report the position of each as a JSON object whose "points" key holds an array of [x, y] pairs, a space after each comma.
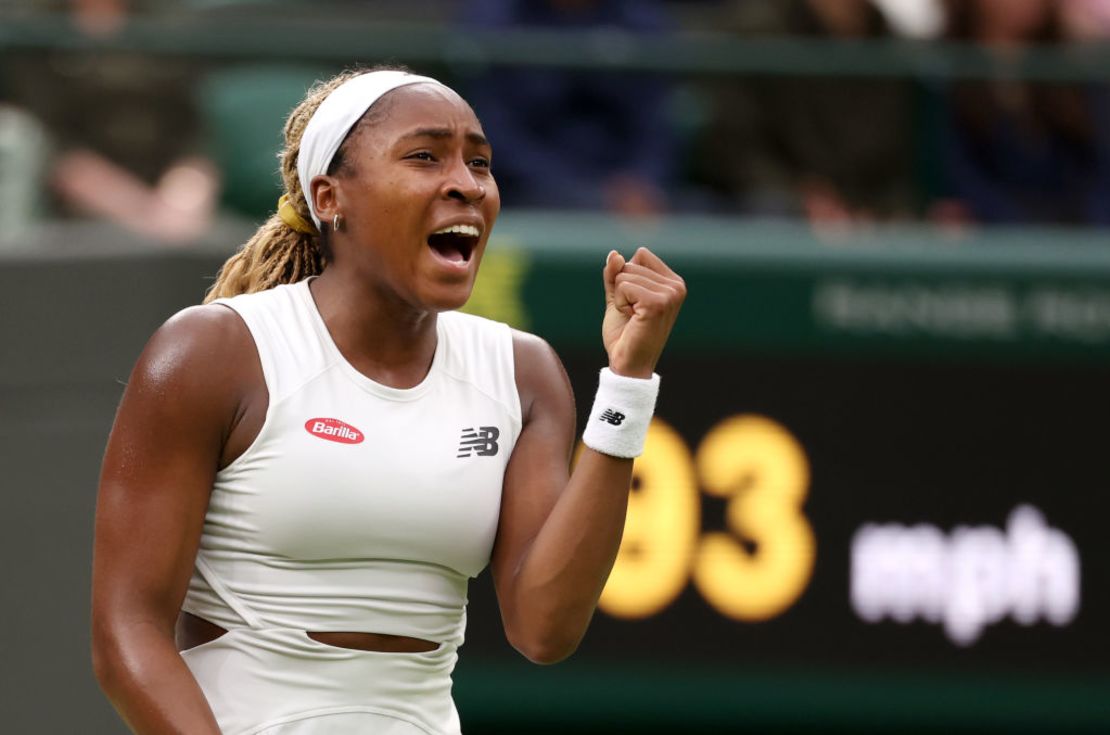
{"points": [[334, 430]]}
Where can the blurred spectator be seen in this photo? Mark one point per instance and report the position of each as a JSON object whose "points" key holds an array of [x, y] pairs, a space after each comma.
{"points": [[124, 128], [99, 17], [575, 138], [1016, 152], [919, 19], [23, 156], [836, 150], [1085, 20]]}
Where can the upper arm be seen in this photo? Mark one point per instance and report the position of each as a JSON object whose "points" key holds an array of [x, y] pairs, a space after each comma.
{"points": [[179, 406], [540, 464]]}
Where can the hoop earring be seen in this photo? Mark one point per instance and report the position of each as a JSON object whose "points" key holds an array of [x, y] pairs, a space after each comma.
{"points": [[337, 222]]}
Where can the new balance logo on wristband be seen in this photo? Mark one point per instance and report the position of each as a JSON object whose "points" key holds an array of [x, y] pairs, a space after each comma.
{"points": [[482, 442], [610, 416]]}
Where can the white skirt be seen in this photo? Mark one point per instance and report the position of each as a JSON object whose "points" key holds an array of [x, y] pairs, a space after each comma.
{"points": [[281, 682]]}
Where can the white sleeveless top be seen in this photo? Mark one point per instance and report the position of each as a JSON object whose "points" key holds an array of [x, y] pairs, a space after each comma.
{"points": [[359, 507]]}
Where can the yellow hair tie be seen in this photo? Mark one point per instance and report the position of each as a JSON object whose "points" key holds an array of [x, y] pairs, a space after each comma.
{"points": [[290, 217]]}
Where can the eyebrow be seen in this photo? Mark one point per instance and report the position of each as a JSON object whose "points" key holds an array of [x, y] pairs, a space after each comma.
{"points": [[442, 133]]}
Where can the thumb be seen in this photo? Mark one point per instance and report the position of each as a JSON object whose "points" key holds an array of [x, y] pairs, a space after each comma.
{"points": [[614, 263]]}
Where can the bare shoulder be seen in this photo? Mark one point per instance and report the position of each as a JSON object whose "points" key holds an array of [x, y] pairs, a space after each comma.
{"points": [[540, 377], [205, 350], [209, 328]]}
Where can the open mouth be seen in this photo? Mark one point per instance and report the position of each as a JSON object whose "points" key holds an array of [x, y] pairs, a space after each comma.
{"points": [[456, 243]]}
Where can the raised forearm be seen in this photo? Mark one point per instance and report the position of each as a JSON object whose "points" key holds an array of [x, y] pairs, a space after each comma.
{"points": [[559, 537], [558, 583], [149, 684]]}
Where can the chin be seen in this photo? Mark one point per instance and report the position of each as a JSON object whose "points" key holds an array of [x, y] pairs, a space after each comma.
{"points": [[450, 292], [449, 298]]}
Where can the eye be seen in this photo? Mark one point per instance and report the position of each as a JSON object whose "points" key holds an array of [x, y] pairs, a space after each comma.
{"points": [[421, 156], [480, 162]]}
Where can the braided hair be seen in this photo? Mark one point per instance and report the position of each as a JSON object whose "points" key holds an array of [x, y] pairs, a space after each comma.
{"points": [[277, 253]]}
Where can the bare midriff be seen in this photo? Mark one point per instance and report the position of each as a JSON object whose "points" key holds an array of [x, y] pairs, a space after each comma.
{"points": [[192, 631]]}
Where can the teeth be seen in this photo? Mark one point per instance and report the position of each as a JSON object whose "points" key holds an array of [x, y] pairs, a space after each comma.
{"points": [[469, 230]]}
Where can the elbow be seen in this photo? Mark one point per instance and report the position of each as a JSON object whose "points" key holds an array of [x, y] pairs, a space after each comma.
{"points": [[109, 655], [546, 653], [545, 647], [105, 657], [104, 664]]}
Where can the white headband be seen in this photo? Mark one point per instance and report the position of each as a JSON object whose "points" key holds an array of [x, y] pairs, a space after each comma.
{"points": [[339, 111]]}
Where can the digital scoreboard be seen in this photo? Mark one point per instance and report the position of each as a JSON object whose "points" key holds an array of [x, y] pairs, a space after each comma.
{"points": [[876, 511]]}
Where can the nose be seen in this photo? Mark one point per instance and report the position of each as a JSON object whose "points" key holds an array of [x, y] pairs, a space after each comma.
{"points": [[463, 185]]}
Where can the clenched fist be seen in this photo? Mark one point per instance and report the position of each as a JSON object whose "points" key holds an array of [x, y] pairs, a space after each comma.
{"points": [[642, 299]]}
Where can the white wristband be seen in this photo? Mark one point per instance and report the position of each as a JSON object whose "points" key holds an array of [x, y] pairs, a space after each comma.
{"points": [[622, 411]]}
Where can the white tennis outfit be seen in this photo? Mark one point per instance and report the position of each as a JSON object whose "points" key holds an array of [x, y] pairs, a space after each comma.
{"points": [[359, 507]]}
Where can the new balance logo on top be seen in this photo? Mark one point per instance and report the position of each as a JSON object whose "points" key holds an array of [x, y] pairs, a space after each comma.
{"points": [[610, 416], [482, 442]]}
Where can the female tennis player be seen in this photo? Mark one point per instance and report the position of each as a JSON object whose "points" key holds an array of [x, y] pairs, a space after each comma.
{"points": [[305, 472]]}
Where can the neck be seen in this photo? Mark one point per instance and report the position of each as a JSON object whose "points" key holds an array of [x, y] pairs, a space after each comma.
{"points": [[383, 337]]}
